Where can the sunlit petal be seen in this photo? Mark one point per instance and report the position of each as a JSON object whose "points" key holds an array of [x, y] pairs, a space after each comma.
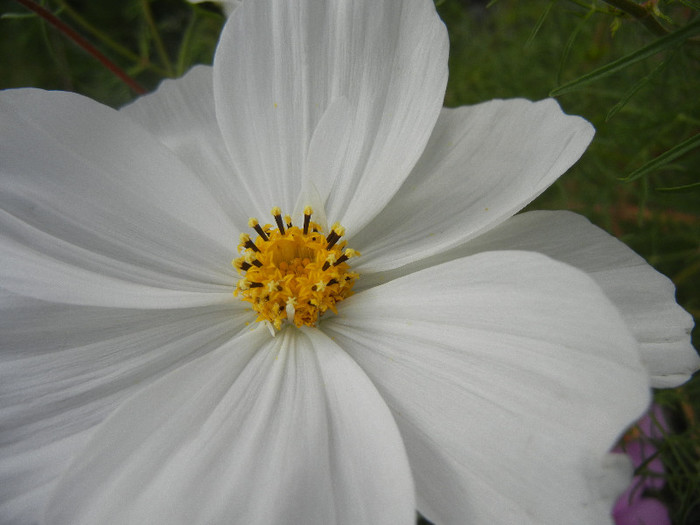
{"points": [[482, 164], [64, 368], [285, 430], [274, 85], [644, 297], [510, 376], [105, 215], [181, 114]]}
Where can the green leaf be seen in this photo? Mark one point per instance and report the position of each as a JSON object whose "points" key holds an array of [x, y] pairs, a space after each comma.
{"points": [[680, 149], [655, 47]]}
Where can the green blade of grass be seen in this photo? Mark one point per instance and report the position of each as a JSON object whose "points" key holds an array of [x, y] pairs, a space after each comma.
{"points": [[16, 16], [667, 156], [655, 47], [156, 38], [679, 189], [570, 42], [104, 38], [633, 90], [539, 23], [81, 42]]}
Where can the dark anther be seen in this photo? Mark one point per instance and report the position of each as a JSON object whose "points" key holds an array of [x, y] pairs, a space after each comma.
{"points": [[334, 236], [332, 239], [261, 232], [250, 244], [280, 223], [341, 259]]}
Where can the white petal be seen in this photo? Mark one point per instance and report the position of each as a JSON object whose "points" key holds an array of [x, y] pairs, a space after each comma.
{"points": [[264, 431], [56, 271], [91, 200], [483, 163], [324, 162], [181, 115], [644, 297], [510, 376], [63, 369], [281, 64]]}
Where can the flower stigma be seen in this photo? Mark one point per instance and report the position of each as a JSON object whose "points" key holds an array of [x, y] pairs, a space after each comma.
{"points": [[293, 273]]}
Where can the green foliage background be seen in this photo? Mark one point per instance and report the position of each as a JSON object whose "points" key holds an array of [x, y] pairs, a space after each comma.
{"points": [[509, 49]]}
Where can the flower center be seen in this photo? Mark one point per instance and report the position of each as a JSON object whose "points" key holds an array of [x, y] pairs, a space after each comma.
{"points": [[293, 273]]}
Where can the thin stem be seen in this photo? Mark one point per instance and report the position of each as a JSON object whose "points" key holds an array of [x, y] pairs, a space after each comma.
{"points": [[160, 48], [107, 41], [81, 42], [185, 45], [643, 15]]}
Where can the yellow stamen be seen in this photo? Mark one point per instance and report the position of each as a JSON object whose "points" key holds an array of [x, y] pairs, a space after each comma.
{"points": [[293, 274]]}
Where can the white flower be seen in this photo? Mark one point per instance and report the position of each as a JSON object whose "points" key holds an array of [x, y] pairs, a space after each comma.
{"points": [[480, 373]]}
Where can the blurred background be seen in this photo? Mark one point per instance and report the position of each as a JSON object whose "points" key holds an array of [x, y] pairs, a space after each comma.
{"points": [[632, 68]]}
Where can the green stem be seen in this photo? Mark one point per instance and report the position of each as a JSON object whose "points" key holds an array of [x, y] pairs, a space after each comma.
{"points": [[660, 44], [185, 45], [539, 23], [682, 148], [108, 42], [640, 13], [160, 48], [81, 42]]}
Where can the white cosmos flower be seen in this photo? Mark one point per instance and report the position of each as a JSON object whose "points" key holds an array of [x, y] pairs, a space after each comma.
{"points": [[480, 373]]}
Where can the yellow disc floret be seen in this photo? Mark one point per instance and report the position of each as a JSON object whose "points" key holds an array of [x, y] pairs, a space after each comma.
{"points": [[291, 273]]}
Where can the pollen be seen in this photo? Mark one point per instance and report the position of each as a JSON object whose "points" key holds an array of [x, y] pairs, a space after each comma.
{"points": [[292, 274]]}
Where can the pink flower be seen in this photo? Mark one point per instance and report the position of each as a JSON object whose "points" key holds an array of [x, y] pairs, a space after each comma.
{"points": [[634, 506]]}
